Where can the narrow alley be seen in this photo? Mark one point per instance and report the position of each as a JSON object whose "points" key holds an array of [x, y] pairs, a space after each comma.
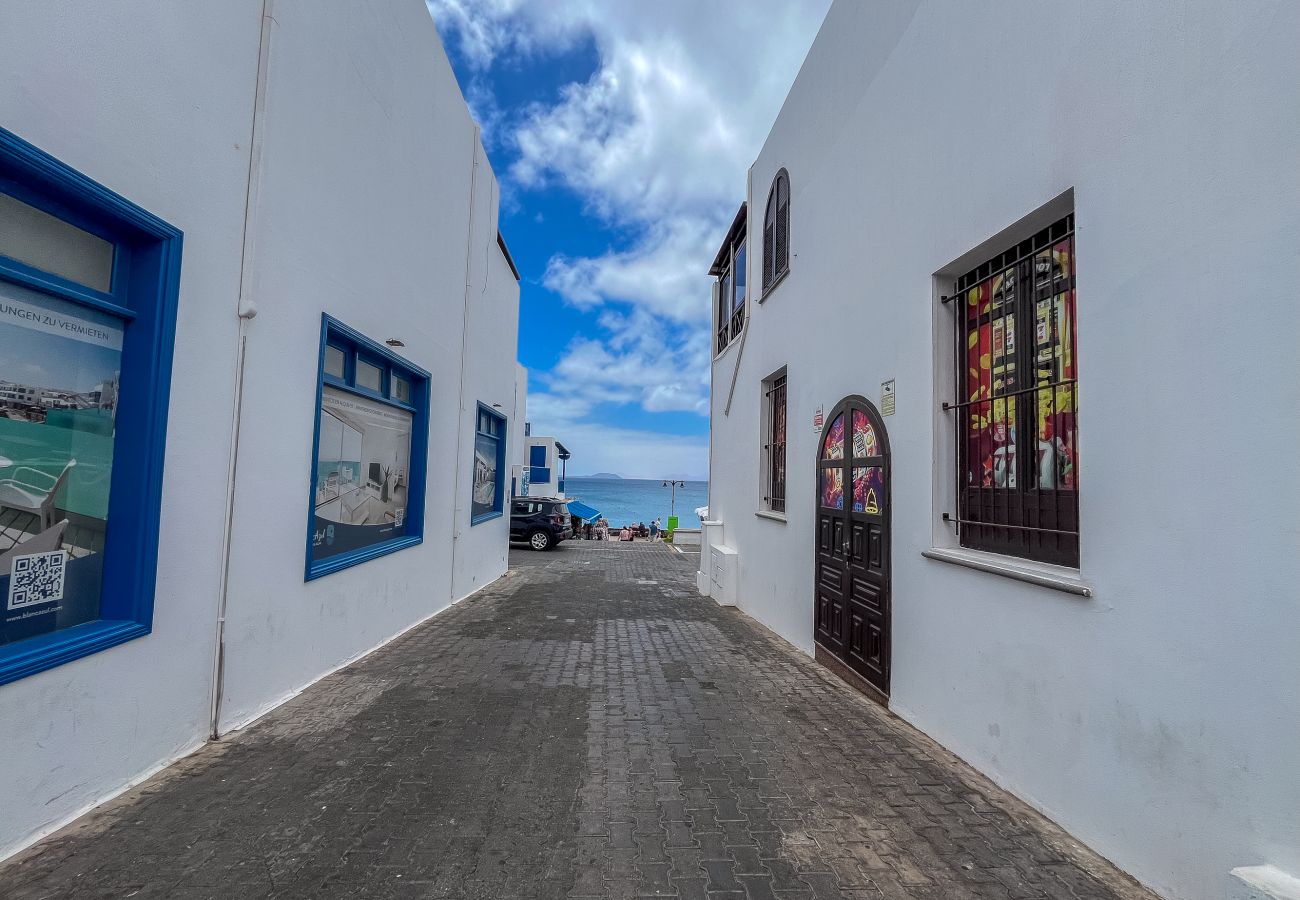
{"points": [[586, 727]]}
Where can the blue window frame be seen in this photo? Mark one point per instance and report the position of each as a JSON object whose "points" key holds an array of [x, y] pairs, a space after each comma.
{"points": [[487, 497], [88, 292], [369, 452], [538, 471]]}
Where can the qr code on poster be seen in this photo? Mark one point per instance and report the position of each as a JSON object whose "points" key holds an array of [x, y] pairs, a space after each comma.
{"points": [[37, 578]]}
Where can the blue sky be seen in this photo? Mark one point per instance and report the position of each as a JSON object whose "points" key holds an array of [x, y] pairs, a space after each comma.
{"points": [[622, 132]]}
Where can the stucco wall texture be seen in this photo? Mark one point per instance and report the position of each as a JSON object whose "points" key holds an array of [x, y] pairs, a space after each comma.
{"points": [[1157, 720], [354, 200]]}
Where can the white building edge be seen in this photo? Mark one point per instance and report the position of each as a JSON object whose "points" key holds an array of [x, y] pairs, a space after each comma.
{"points": [[1147, 696], [318, 160]]}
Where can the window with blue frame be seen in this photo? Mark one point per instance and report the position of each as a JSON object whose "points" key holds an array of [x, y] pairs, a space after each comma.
{"points": [[371, 445], [489, 466], [88, 292], [538, 471]]}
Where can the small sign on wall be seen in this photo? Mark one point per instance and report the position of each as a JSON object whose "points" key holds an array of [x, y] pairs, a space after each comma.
{"points": [[818, 418], [887, 398]]}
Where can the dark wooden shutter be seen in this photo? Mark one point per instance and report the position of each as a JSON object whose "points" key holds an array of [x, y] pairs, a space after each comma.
{"points": [[769, 239], [781, 260]]}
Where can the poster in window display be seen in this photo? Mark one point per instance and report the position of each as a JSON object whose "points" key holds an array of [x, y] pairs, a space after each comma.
{"points": [[60, 365], [361, 474], [992, 378], [487, 476]]}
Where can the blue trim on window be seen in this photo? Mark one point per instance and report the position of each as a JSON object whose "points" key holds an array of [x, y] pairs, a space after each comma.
{"points": [[537, 457], [539, 474], [498, 508], [145, 289], [356, 345]]}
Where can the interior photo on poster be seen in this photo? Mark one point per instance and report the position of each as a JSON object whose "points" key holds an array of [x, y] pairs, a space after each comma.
{"points": [[486, 478], [362, 467], [59, 374]]}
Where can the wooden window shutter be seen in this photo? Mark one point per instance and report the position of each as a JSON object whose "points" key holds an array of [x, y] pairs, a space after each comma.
{"points": [[781, 263], [769, 239]]}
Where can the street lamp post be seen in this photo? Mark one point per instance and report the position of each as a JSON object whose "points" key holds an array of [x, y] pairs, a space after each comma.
{"points": [[672, 508]]}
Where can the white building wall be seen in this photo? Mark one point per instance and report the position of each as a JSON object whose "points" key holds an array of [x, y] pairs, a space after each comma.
{"points": [[358, 206], [125, 93], [481, 550], [362, 212], [1158, 720], [549, 488], [517, 449]]}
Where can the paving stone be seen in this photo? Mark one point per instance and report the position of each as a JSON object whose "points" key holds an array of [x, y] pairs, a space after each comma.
{"points": [[587, 727]]}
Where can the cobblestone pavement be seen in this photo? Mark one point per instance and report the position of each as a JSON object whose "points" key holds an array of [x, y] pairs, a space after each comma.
{"points": [[586, 727]]}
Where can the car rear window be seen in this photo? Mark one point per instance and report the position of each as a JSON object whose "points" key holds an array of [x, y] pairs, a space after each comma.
{"points": [[562, 509]]}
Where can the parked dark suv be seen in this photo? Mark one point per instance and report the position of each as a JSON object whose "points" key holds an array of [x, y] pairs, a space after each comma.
{"points": [[541, 521]]}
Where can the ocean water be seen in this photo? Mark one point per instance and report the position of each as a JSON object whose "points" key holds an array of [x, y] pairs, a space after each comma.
{"points": [[624, 501]]}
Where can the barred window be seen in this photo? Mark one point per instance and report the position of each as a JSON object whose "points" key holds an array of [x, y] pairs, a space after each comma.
{"points": [[774, 417], [776, 231], [1017, 427]]}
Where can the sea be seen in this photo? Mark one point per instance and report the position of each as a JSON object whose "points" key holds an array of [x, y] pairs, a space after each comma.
{"points": [[625, 501]]}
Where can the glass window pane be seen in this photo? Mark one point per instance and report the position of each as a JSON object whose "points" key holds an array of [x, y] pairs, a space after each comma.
{"points": [[991, 430], [401, 389], [869, 490], [739, 269], [864, 436], [833, 443], [369, 377], [48, 243], [486, 496], [335, 361], [59, 373], [832, 487], [361, 473]]}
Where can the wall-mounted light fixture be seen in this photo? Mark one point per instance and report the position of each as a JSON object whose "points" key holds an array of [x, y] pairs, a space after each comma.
{"points": [[394, 342]]}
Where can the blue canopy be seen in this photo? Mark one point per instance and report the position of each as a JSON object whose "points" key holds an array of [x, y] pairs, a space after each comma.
{"points": [[582, 510]]}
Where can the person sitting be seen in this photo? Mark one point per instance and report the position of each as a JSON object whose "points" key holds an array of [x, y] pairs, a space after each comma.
{"points": [[625, 534]]}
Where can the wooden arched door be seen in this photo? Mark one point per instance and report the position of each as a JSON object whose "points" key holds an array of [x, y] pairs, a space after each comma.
{"points": [[852, 576]]}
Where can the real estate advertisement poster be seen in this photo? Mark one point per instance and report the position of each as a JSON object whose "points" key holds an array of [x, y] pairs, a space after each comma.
{"points": [[487, 481], [59, 372], [362, 466]]}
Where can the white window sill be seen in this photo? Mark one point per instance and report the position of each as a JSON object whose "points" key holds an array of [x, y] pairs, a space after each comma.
{"points": [[774, 516], [1057, 578], [763, 295]]}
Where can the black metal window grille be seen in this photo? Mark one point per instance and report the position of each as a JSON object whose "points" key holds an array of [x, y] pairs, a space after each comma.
{"points": [[1016, 400], [776, 429], [776, 231]]}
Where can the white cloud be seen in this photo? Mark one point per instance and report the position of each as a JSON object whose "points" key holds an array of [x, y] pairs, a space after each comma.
{"points": [[656, 143], [665, 272]]}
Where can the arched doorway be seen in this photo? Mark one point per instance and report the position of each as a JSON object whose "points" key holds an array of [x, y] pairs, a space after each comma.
{"points": [[852, 609]]}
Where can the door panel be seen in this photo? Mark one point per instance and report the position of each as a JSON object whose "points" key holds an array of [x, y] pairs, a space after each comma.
{"points": [[851, 584]]}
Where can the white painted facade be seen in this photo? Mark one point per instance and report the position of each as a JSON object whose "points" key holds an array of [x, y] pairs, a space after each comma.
{"points": [[348, 179], [1159, 719], [551, 466]]}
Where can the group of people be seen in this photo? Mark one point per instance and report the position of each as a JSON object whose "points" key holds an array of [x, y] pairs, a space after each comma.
{"points": [[599, 531]]}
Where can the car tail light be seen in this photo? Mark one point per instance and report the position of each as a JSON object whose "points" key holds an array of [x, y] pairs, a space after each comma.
{"points": [[557, 519]]}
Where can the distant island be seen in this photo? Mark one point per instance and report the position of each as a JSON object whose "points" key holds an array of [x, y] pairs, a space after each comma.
{"points": [[606, 476]]}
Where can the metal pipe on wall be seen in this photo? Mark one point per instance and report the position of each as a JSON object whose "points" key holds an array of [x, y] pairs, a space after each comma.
{"points": [[246, 309]]}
